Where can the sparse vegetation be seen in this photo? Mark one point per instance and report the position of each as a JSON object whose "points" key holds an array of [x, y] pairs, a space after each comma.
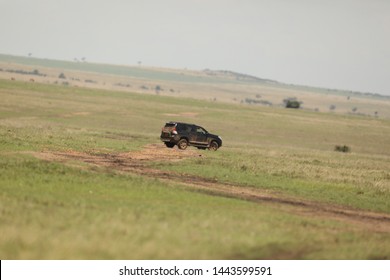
{"points": [[122, 85], [256, 101], [35, 72]]}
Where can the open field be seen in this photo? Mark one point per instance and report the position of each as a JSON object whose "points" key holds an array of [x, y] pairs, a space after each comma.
{"points": [[84, 176], [210, 85]]}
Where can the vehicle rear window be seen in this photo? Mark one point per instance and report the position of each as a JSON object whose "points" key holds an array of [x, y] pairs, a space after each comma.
{"points": [[170, 125], [181, 127]]}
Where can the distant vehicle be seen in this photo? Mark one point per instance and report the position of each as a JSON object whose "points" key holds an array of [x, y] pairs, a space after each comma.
{"points": [[185, 134]]}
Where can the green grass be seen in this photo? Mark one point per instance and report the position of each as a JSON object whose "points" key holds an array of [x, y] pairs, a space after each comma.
{"points": [[359, 181], [51, 210]]}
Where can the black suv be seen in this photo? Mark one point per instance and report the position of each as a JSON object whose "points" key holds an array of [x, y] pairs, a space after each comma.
{"points": [[184, 135]]}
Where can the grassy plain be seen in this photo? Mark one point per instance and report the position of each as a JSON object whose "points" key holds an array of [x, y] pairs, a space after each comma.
{"points": [[73, 210], [210, 85]]}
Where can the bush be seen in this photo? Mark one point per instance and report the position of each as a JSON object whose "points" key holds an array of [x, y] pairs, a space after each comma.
{"points": [[343, 149], [293, 104]]}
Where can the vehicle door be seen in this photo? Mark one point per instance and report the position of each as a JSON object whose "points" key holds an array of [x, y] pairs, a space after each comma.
{"points": [[191, 132], [201, 135]]}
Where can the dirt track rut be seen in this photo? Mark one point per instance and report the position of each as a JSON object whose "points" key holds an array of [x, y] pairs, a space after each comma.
{"points": [[137, 163]]}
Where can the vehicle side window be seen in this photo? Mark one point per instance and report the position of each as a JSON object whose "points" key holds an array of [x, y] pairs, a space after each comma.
{"points": [[200, 130]]}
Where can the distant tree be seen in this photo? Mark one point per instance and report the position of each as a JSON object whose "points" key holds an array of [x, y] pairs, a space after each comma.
{"points": [[354, 109], [292, 102], [62, 76], [332, 107]]}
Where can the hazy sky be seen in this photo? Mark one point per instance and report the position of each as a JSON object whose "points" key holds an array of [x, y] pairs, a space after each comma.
{"points": [[342, 44]]}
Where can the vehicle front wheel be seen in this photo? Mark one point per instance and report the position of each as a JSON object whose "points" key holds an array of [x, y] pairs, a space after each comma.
{"points": [[183, 144], [213, 146]]}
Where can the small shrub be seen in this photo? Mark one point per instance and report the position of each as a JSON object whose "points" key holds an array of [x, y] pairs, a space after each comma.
{"points": [[343, 149]]}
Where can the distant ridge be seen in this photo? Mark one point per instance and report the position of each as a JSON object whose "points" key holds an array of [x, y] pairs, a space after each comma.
{"points": [[171, 74], [238, 76]]}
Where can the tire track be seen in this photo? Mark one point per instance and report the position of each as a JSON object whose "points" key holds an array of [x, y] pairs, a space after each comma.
{"points": [[137, 163]]}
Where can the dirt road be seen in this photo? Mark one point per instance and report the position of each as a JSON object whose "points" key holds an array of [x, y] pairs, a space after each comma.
{"points": [[137, 162]]}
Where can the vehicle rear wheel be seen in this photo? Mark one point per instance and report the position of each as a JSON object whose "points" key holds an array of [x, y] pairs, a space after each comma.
{"points": [[170, 145], [183, 144], [213, 146]]}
